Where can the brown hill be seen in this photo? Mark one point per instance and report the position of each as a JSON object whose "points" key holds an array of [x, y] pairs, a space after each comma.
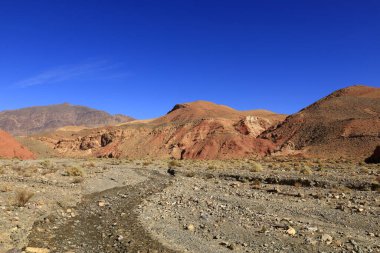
{"points": [[47, 118], [345, 123], [199, 130], [198, 110], [10, 148]]}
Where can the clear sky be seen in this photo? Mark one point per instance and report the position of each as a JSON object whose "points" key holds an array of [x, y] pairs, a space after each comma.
{"points": [[142, 57]]}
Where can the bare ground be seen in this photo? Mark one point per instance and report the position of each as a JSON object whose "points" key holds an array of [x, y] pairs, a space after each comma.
{"points": [[217, 206]]}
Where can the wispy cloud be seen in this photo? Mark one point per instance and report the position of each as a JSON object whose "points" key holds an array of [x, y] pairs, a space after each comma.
{"points": [[67, 72]]}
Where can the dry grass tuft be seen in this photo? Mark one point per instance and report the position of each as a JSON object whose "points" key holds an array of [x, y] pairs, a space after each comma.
{"points": [[174, 163], [75, 172], [306, 171], [256, 167], [22, 197], [6, 188], [78, 180], [190, 174], [146, 164]]}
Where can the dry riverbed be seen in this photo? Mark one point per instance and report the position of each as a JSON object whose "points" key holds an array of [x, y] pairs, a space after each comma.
{"points": [[210, 206]]}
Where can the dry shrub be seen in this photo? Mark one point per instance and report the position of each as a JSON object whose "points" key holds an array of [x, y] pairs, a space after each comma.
{"points": [[256, 184], [77, 180], [190, 174], [212, 167], [256, 167], [17, 168], [22, 197], [340, 189], [75, 172], [146, 163], [209, 176], [5, 188], [174, 163], [116, 162], [30, 171], [378, 179], [306, 171], [46, 164]]}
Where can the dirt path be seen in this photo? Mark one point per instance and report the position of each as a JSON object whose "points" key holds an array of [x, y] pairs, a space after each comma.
{"points": [[103, 222]]}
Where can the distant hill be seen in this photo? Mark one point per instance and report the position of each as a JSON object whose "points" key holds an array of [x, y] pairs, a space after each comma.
{"points": [[10, 148], [206, 110], [196, 130], [345, 123], [39, 119]]}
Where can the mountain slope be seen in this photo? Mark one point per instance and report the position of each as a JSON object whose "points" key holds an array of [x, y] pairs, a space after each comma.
{"points": [[47, 118], [10, 148], [198, 130], [345, 123]]}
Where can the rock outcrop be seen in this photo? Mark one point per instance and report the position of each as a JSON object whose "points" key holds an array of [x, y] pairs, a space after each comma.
{"points": [[375, 157]]}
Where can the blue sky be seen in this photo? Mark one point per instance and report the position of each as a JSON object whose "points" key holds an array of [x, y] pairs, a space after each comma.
{"points": [[142, 57]]}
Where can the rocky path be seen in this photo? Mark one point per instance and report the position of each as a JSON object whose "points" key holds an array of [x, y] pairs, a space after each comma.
{"points": [[103, 222]]}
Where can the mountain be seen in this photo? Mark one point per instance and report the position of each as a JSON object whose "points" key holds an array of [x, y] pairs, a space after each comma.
{"points": [[345, 123], [198, 110], [197, 130], [47, 118], [10, 148]]}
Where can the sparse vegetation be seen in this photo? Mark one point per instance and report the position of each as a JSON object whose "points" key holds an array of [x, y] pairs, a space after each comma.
{"points": [[190, 174], [256, 167], [5, 188], [46, 164], [146, 164], [174, 163], [212, 167], [78, 180], [75, 172], [22, 197], [306, 170]]}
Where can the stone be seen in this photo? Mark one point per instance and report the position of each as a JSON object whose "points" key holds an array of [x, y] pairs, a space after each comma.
{"points": [[312, 229], [291, 231], [326, 238], [231, 246], [171, 171], [36, 250], [190, 227]]}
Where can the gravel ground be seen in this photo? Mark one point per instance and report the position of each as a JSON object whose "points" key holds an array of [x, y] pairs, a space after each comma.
{"points": [[219, 213], [137, 206]]}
